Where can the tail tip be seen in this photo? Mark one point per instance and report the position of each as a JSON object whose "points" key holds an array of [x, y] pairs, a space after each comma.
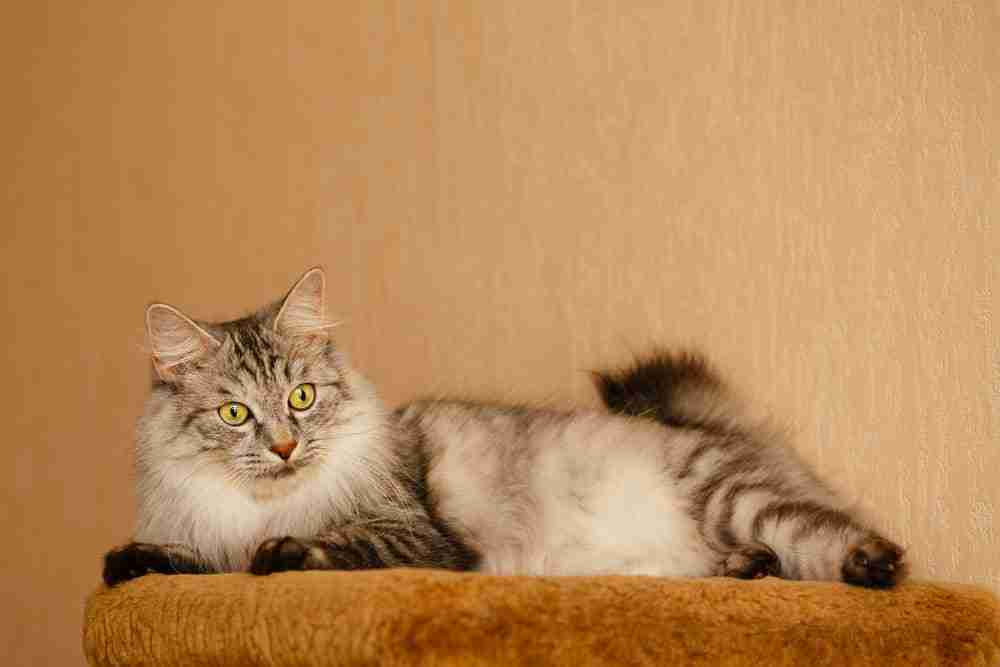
{"points": [[659, 385]]}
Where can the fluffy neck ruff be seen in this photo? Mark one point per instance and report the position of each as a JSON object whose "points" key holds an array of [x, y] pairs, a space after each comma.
{"points": [[193, 502]]}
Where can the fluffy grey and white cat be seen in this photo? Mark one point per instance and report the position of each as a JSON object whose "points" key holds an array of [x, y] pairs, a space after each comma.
{"points": [[262, 450]]}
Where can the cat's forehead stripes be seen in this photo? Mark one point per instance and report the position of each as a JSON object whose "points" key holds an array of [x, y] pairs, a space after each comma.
{"points": [[254, 353]]}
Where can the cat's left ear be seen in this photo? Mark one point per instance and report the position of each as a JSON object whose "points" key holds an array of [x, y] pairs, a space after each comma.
{"points": [[303, 312]]}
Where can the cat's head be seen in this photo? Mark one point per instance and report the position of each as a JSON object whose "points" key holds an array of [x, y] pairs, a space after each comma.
{"points": [[260, 403]]}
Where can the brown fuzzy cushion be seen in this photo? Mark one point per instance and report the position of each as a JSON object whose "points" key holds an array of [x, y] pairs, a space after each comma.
{"points": [[407, 617]]}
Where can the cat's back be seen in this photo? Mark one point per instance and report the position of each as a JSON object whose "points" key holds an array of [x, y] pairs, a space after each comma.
{"points": [[547, 491], [510, 433]]}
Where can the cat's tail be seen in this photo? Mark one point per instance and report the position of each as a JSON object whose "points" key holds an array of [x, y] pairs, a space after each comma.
{"points": [[675, 388]]}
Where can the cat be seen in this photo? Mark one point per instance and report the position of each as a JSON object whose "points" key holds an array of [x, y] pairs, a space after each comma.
{"points": [[262, 450]]}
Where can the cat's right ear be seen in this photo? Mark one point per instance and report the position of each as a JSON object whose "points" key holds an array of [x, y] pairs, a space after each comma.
{"points": [[175, 340]]}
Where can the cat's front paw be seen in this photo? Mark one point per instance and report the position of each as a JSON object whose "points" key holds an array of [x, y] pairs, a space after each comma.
{"points": [[875, 563], [281, 554], [134, 560]]}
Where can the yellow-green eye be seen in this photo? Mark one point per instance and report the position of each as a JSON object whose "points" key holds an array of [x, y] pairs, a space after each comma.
{"points": [[302, 397], [234, 413]]}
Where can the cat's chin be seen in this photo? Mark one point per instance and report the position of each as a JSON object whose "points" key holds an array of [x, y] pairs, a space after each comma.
{"points": [[267, 488], [279, 481]]}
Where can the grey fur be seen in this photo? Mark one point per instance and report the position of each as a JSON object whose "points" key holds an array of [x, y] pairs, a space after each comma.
{"points": [[680, 484]]}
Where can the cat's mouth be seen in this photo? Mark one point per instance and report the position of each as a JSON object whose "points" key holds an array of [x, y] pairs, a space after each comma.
{"points": [[282, 472], [286, 471]]}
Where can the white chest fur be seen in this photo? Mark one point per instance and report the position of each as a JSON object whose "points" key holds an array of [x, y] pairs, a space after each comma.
{"points": [[225, 523]]}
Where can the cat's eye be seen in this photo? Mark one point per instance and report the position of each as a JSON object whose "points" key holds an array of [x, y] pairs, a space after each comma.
{"points": [[302, 397], [234, 413]]}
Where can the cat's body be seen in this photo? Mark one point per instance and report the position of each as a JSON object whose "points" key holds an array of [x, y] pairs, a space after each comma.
{"points": [[536, 492], [677, 483]]}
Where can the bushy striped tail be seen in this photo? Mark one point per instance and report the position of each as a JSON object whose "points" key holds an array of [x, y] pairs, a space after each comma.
{"points": [[678, 389]]}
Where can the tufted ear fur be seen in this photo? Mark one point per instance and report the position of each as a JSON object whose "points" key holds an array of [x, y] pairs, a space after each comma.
{"points": [[175, 340], [303, 312]]}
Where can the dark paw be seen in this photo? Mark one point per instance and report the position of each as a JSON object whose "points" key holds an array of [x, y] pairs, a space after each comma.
{"points": [[282, 554], [134, 560], [752, 562], [875, 563]]}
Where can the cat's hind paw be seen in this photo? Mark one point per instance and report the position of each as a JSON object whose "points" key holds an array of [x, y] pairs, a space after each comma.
{"points": [[754, 561], [875, 563]]}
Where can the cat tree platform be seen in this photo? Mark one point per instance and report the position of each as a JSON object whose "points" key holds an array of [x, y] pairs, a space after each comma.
{"points": [[411, 617]]}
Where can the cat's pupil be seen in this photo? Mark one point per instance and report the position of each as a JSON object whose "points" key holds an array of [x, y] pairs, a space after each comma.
{"points": [[302, 394], [232, 410]]}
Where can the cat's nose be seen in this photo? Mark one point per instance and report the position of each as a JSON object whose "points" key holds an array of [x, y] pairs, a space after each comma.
{"points": [[285, 449]]}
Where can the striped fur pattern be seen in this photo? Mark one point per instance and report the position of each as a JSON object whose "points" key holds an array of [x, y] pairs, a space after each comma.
{"points": [[748, 491], [674, 481]]}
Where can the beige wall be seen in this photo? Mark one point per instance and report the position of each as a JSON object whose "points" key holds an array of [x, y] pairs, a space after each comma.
{"points": [[505, 195]]}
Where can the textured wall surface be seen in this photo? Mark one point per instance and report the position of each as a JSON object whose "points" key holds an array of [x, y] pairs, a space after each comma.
{"points": [[506, 195]]}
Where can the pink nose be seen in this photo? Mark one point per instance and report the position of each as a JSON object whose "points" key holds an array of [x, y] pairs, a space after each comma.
{"points": [[285, 449]]}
